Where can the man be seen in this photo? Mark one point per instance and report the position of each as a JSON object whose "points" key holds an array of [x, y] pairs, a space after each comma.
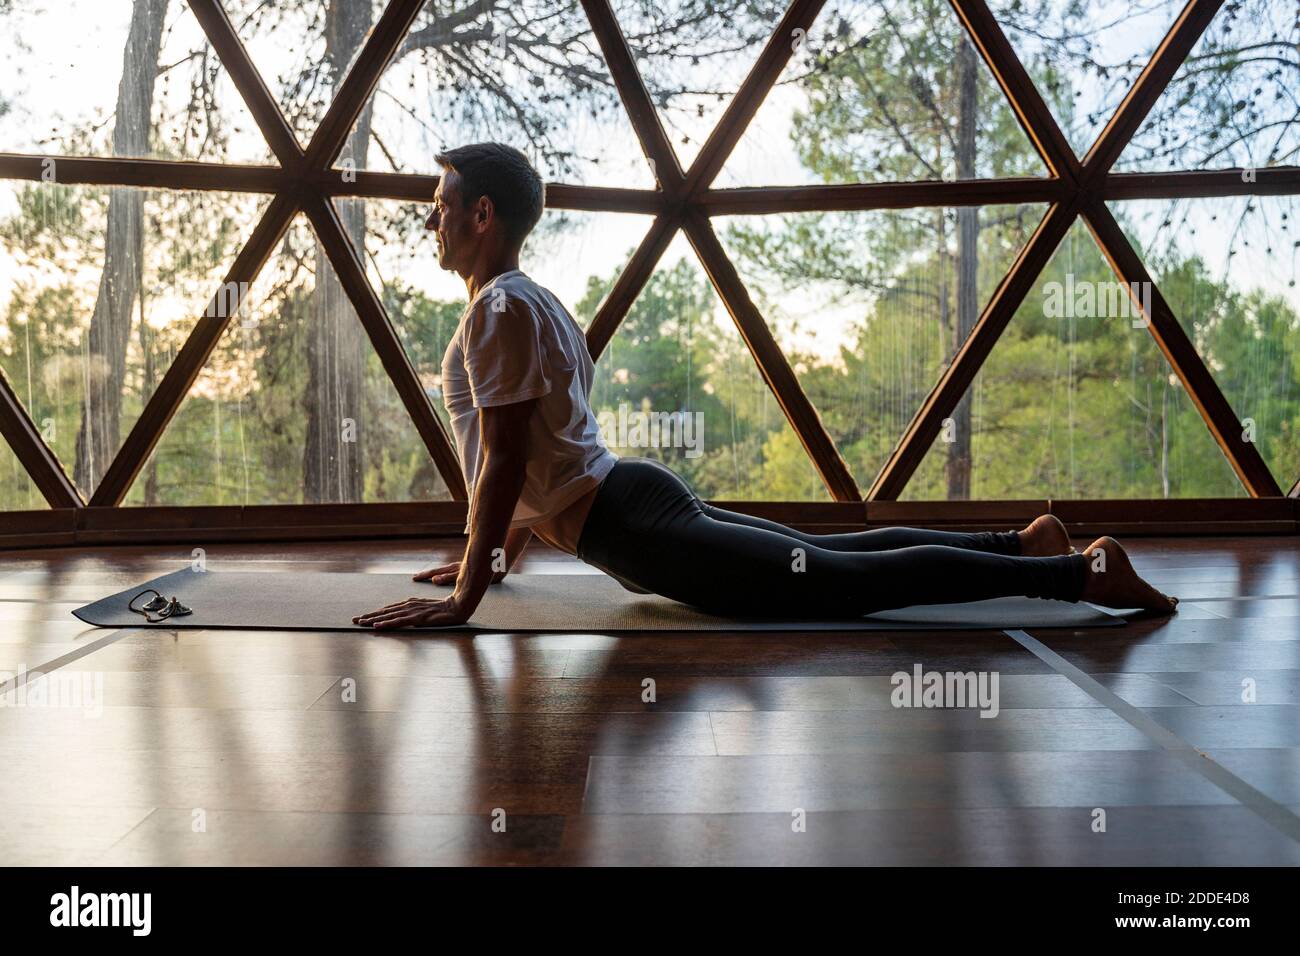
{"points": [[517, 378]]}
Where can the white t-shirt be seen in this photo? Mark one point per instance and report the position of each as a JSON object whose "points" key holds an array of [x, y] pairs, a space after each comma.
{"points": [[516, 341]]}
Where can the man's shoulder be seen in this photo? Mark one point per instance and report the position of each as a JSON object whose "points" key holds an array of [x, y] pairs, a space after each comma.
{"points": [[515, 293], [518, 285]]}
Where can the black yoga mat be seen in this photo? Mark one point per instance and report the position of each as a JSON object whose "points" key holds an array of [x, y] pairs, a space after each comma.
{"points": [[311, 600]]}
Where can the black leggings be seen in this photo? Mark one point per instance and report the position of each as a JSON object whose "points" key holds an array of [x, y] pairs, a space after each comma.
{"points": [[647, 529]]}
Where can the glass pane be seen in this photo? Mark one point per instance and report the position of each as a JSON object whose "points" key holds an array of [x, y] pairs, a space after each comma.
{"points": [[677, 383], [530, 74], [1075, 401], [1084, 55], [1227, 267], [867, 307], [693, 55], [93, 308], [883, 92], [303, 51], [17, 491], [85, 77], [1233, 102], [293, 405]]}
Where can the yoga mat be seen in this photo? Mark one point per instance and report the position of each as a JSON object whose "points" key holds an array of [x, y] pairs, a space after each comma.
{"points": [[312, 600]]}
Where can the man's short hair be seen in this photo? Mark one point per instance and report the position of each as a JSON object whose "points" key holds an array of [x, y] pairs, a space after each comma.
{"points": [[504, 175]]}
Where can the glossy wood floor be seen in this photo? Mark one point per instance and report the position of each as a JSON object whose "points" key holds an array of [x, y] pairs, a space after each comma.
{"points": [[243, 747]]}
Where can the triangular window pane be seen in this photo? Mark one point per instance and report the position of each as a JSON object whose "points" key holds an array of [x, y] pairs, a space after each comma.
{"points": [[17, 490], [677, 383], [1084, 55], [90, 319], [882, 93], [693, 56], [1074, 404], [303, 51], [866, 306], [1232, 102], [531, 75], [293, 405], [1228, 269], [65, 68]]}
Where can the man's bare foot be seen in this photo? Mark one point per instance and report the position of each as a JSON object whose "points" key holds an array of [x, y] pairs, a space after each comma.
{"points": [[1112, 582], [1044, 537]]}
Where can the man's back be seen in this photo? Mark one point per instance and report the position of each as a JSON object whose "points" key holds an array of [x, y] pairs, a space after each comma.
{"points": [[517, 342]]}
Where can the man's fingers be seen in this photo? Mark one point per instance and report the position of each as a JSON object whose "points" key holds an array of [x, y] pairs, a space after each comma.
{"points": [[419, 619], [390, 618], [390, 609], [389, 623], [413, 612], [434, 573]]}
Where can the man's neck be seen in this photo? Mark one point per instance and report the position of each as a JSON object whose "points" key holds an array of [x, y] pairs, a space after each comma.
{"points": [[488, 269]]}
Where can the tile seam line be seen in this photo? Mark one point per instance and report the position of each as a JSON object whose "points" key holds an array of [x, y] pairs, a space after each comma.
{"points": [[1272, 812]]}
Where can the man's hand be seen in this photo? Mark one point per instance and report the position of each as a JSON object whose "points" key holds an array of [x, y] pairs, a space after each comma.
{"points": [[448, 573], [503, 433], [415, 612]]}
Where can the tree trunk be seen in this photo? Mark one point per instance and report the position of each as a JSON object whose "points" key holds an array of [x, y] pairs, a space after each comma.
{"points": [[959, 451], [146, 339], [334, 402], [110, 325]]}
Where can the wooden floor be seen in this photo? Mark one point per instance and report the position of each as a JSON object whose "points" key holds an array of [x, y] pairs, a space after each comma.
{"points": [[240, 747]]}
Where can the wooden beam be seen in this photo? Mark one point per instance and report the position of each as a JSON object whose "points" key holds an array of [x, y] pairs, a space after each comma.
{"points": [[261, 104], [771, 361], [959, 375], [751, 200], [1264, 181], [1169, 334], [1151, 82], [189, 362], [757, 84], [629, 283], [420, 188], [352, 276], [143, 173], [67, 527], [1031, 111], [761, 200], [355, 90], [632, 91], [35, 456]]}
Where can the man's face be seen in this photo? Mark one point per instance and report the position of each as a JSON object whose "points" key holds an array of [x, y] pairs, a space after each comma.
{"points": [[452, 224]]}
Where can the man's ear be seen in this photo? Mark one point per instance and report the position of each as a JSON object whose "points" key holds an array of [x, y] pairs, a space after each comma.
{"points": [[484, 213]]}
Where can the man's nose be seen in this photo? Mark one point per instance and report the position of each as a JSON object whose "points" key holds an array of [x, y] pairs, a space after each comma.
{"points": [[432, 221]]}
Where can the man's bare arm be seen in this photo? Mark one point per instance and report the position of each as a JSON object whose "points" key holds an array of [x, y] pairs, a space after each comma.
{"points": [[503, 431], [503, 434], [516, 541]]}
